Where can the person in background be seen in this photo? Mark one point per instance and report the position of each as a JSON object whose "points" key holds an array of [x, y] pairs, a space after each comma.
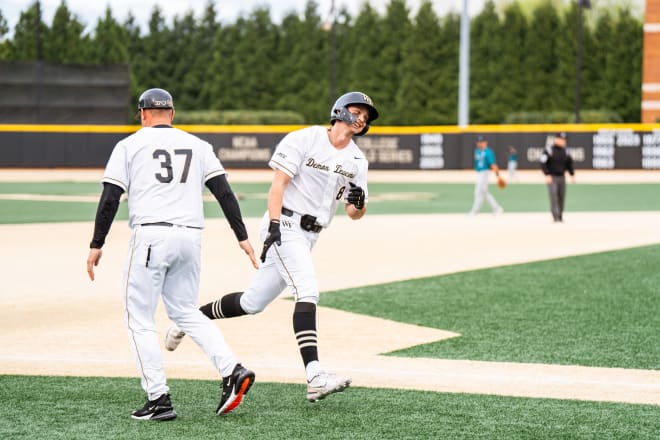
{"points": [[484, 162], [555, 161], [512, 164]]}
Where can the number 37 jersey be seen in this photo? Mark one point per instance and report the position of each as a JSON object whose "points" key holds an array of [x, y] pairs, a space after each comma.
{"points": [[163, 171]]}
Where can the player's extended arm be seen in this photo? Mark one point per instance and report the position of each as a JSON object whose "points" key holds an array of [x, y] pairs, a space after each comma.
{"points": [[569, 167], [276, 194], [105, 214], [219, 187], [275, 201], [500, 180]]}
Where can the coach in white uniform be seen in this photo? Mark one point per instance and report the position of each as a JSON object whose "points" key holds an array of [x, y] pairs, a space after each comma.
{"points": [[164, 170], [316, 168]]}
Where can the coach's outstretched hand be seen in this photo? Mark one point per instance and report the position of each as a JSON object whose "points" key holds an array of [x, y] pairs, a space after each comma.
{"points": [[274, 236], [356, 196], [93, 260], [247, 248]]}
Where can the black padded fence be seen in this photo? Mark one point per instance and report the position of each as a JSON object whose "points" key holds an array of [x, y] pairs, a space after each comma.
{"points": [[43, 93], [629, 146]]}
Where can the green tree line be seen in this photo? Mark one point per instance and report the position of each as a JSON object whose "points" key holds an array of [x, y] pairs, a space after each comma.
{"points": [[522, 59]]}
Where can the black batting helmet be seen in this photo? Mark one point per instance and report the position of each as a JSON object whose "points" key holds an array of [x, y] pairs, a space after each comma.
{"points": [[338, 112], [155, 98]]}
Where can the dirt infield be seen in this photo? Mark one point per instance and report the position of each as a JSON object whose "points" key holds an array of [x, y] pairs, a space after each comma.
{"points": [[57, 322]]}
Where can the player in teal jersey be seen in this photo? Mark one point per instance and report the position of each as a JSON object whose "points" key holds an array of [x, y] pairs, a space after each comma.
{"points": [[484, 161]]}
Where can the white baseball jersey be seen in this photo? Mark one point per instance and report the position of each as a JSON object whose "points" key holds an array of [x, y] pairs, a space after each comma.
{"points": [[320, 173], [320, 176], [163, 171]]}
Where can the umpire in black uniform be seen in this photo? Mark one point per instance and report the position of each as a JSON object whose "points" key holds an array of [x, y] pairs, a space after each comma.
{"points": [[555, 161]]}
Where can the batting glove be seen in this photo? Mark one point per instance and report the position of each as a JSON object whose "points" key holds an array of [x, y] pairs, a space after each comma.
{"points": [[356, 196], [274, 236]]}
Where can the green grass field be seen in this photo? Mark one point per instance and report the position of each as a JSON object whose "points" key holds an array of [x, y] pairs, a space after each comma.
{"points": [[603, 312], [71, 408], [413, 198]]}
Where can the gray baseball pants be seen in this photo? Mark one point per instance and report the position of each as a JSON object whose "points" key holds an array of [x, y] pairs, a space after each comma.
{"points": [[557, 192], [481, 193]]}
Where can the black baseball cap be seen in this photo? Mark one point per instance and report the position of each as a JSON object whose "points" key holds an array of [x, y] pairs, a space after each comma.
{"points": [[561, 134], [481, 139]]}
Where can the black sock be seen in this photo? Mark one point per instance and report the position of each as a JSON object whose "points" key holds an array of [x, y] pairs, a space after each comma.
{"points": [[226, 307], [304, 326]]}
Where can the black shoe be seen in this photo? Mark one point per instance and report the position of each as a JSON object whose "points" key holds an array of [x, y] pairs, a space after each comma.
{"points": [[159, 409], [234, 387]]}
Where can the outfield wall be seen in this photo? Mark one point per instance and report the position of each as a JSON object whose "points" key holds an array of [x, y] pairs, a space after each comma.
{"points": [[593, 146]]}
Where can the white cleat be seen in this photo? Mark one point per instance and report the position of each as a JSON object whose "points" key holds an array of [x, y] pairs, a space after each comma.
{"points": [[173, 338], [324, 384]]}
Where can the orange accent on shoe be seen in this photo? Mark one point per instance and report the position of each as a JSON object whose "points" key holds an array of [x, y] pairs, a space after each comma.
{"points": [[239, 396]]}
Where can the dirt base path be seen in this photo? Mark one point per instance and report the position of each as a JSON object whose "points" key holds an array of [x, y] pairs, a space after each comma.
{"points": [[56, 322]]}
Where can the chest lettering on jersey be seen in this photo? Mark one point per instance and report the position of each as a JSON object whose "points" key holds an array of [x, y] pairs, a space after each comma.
{"points": [[340, 170], [317, 166]]}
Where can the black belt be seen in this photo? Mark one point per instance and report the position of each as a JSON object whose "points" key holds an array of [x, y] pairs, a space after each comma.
{"points": [[169, 225], [307, 222]]}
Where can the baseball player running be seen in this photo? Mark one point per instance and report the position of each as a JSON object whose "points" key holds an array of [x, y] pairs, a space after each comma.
{"points": [[315, 168], [163, 170]]}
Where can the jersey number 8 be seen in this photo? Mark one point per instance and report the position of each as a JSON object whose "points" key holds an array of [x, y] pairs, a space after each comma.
{"points": [[340, 193]]}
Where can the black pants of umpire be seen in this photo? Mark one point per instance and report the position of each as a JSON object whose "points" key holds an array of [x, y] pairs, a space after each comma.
{"points": [[557, 191]]}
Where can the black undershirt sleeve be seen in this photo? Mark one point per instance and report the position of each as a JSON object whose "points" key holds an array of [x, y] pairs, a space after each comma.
{"points": [[569, 165], [105, 213], [220, 188]]}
